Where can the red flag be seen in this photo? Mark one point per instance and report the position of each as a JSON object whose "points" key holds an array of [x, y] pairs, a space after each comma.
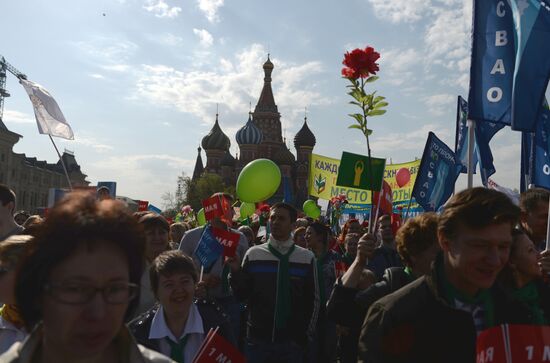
{"points": [[217, 349], [386, 200], [514, 344], [142, 205], [217, 207], [396, 222], [229, 240]]}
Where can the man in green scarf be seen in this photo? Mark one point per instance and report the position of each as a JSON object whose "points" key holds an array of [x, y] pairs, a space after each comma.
{"points": [[279, 281], [437, 317]]}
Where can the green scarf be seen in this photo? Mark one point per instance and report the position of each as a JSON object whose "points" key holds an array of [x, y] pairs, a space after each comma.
{"points": [[321, 279], [177, 349], [529, 296], [483, 298], [283, 303]]}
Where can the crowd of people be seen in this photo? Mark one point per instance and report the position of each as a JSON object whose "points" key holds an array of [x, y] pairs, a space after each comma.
{"points": [[93, 282]]}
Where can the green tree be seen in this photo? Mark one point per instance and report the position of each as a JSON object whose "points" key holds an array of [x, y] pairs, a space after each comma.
{"points": [[193, 192]]}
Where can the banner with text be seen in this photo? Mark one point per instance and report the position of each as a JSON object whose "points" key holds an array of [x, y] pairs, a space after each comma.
{"points": [[323, 174]]}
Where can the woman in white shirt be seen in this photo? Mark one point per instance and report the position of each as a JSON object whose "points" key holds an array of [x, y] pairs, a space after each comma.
{"points": [[178, 326]]}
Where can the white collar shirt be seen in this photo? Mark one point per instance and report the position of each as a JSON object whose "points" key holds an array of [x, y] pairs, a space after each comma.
{"points": [[193, 327]]}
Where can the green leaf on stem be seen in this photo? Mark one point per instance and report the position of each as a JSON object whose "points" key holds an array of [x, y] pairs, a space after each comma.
{"points": [[376, 112], [358, 117], [369, 132], [380, 105], [372, 79], [379, 98], [355, 126]]}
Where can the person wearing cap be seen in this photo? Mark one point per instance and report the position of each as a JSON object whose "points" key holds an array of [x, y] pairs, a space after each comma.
{"points": [[216, 278]]}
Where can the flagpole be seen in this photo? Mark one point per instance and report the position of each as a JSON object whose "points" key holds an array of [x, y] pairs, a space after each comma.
{"points": [[62, 163], [407, 212], [471, 143], [548, 228]]}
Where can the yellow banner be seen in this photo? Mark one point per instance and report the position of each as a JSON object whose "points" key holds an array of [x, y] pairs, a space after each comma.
{"points": [[323, 172]]}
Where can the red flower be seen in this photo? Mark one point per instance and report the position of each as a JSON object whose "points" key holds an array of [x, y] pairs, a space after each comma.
{"points": [[360, 63]]}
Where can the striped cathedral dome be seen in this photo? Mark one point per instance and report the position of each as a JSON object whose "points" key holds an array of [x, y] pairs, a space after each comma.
{"points": [[216, 139], [249, 133]]}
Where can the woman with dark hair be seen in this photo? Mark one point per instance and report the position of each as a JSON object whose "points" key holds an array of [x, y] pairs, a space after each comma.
{"points": [[522, 278], [324, 343], [78, 282]]}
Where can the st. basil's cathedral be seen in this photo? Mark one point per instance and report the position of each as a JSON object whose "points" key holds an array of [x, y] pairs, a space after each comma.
{"points": [[261, 137]]}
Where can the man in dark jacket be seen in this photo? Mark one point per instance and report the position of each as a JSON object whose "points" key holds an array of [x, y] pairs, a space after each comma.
{"points": [[279, 281], [437, 318]]}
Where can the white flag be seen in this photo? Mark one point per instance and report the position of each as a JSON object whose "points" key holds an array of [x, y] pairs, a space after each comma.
{"points": [[49, 117], [514, 197]]}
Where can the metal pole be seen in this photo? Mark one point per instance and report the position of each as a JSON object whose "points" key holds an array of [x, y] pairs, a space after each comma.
{"points": [[62, 163], [548, 228], [471, 143]]}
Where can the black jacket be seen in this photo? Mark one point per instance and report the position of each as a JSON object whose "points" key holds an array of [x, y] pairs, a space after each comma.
{"points": [[416, 324], [348, 306], [212, 316]]}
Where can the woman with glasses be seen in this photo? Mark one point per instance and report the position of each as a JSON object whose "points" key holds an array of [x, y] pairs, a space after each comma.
{"points": [[12, 328], [179, 325], [77, 284]]}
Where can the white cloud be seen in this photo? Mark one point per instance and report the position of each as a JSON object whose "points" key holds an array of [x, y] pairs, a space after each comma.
{"points": [[167, 124], [97, 76], [205, 38], [439, 104], [210, 9], [11, 116], [397, 64], [111, 53], [412, 140], [233, 85], [90, 141], [446, 35], [143, 177], [161, 9], [400, 10], [167, 39]]}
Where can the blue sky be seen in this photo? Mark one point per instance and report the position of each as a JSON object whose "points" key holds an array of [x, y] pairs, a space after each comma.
{"points": [[139, 80]]}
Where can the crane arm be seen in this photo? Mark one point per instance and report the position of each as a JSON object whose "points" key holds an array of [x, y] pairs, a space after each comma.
{"points": [[11, 69]]}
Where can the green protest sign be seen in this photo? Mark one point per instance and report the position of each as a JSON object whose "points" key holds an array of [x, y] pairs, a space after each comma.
{"points": [[355, 171]]}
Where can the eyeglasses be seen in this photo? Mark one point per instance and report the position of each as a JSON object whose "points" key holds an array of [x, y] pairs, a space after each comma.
{"points": [[76, 294]]}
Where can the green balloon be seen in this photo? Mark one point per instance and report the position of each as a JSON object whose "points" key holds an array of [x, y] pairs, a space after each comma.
{"points": [[258, 181], [247, 209], [311, 209], [201, 217]]}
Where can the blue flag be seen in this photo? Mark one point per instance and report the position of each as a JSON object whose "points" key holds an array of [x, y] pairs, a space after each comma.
{"points": [[437, 174], [287, 191], [493, 62], [532, 65], [484, 132], [535, 160], [208, 249], [461, 139], [152, 208]]}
